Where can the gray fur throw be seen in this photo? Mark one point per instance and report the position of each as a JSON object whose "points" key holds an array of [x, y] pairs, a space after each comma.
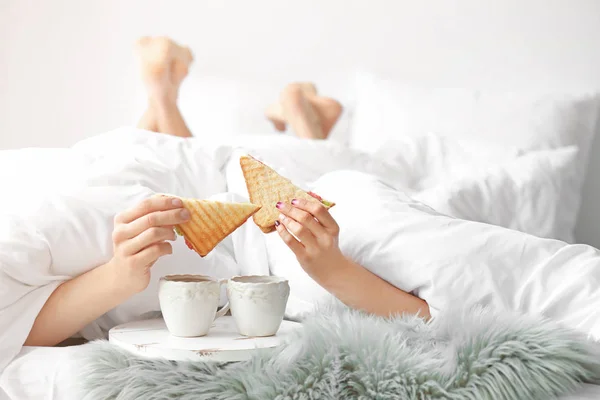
{"points": [[345, 354]]}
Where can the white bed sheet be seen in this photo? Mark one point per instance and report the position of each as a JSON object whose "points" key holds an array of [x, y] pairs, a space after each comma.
{"points": [[41, 373], [46, 373]]}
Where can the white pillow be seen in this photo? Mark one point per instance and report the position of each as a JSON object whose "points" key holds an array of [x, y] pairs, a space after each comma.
{"points": [[432, 160], [533, 193], [524, 119], [445, 260], [501, 125]]}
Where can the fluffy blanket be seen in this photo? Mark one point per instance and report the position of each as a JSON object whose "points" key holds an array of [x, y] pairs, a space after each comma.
{"points": [[344, 354]]}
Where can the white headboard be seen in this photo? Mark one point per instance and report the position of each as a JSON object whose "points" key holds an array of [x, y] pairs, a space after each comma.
{"points": [[67, 70]]}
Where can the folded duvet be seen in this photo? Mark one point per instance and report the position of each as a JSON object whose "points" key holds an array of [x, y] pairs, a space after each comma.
{"points": [[57, 224]]}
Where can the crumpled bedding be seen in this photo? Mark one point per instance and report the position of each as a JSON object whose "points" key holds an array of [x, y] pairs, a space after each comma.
{"points": [[57, 220]]}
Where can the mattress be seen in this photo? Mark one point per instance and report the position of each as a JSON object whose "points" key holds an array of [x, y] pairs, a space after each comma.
{"points": [[46, 373]]}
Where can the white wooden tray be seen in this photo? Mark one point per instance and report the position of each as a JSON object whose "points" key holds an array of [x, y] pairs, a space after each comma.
{"points": [[150, 338]]}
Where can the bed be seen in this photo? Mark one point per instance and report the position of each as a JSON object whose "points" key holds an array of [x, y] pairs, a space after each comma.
{"points": [[412, 243], [531, 146]]}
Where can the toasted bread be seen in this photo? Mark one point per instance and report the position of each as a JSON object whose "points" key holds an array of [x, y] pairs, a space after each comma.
{"points": [[266, 187], [211, 222]]}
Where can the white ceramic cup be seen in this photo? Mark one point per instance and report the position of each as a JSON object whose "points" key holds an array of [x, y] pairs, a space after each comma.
{"points": [[189, 303], [258, 303]]}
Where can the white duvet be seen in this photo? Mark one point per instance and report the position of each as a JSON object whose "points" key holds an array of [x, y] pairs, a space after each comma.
{"points": [[58, 221]]}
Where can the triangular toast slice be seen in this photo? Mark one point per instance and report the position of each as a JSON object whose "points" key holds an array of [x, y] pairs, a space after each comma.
{"points": [[266, 187], [211, 222]]}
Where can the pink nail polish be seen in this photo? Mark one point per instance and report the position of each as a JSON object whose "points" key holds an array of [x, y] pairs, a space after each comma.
{"points": [[294, 201], [279, 204], [277, 223]]}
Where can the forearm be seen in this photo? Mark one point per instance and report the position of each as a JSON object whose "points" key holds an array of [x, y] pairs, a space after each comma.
{"points": [[168, 117], [359, 288], [74, 304]]}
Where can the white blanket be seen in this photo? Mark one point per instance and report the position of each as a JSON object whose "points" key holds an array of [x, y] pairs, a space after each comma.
{"points": [[59, 219]]}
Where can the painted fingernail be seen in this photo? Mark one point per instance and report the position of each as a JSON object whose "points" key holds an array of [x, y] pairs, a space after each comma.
{"points": [[185, 214], [277, 223], [294, 201], [279, 204], [177, 202]]}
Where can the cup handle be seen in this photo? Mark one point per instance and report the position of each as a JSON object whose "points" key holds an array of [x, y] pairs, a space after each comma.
{"points": [[225, 308], [222, 311]]}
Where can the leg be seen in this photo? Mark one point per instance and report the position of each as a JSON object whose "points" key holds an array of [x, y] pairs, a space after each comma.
{"points": [[311, 116], [164, 65], [148, 120]]}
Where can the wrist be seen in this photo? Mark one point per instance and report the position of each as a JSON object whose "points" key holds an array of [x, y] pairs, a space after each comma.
{"points": [[116, 287], [336, 269]]}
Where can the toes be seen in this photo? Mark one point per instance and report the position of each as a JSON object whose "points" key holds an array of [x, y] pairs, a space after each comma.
{"points": [[188, 56], [161, 57], [182, 58], [180, 71], [155, 49]]}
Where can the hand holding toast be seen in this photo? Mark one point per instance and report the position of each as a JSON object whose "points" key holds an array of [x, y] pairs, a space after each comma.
{"points": [[266, 187], [140, 238], [311, 233]]}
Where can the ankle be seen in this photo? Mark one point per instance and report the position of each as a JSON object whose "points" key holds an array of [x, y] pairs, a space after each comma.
{"points": [[162, 100]]}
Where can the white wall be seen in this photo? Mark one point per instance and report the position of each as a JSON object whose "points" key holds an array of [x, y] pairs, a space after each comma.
{"points": [[67, 72]]}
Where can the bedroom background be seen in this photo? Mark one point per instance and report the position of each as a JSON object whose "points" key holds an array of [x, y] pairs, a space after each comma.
{"points": [[68, 71]]}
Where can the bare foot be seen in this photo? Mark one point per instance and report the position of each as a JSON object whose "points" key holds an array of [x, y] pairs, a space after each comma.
{"points": [[274, 112], [310, 115], [329, 111], [164, 65]]}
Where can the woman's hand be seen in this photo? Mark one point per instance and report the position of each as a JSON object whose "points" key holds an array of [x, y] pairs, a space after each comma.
{"points": [[317, 249], [320, 256], [140, 238]]}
